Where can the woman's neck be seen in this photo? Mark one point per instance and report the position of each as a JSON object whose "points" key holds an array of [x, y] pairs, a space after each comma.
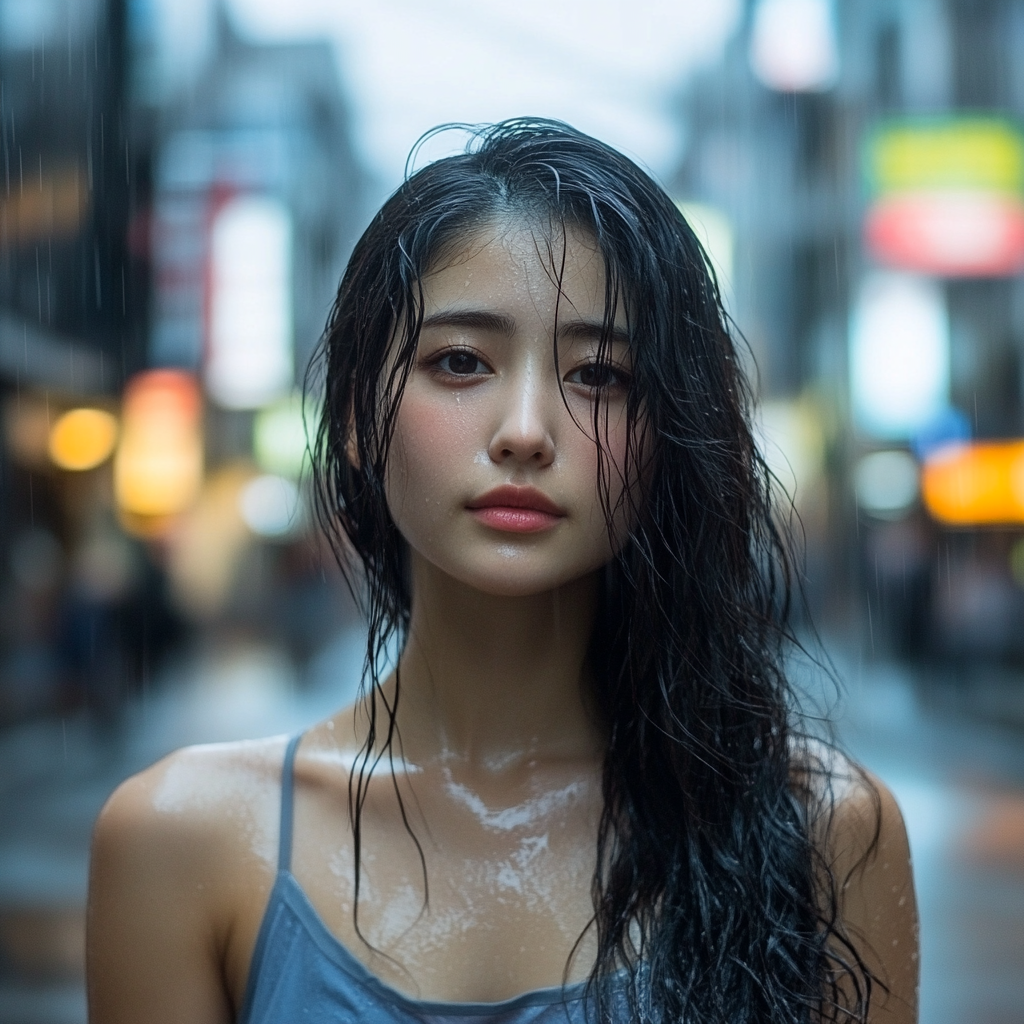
{"points": [[493, 680]]}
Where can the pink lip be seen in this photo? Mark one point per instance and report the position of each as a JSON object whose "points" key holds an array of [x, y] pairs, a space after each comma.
{"points": [[516, 510]]}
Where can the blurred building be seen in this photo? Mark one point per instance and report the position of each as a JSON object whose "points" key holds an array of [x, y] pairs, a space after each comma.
{"points": [[176, 206], [258, 198], [868, 161], [71, 185], [265, 121], [73, 316]]}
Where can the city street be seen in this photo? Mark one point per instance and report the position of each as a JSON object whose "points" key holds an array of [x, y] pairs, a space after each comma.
{"points": [[223, 369], [960, 784]]}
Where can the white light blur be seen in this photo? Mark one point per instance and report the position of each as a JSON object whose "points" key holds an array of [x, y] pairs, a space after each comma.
{"points": [[793, 45], [886, 483], [270, 506], [899, 355], [609, 68], [249, 361]]}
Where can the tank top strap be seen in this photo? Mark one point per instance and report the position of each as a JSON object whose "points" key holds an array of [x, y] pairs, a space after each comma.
{"points": [[284, 853]]}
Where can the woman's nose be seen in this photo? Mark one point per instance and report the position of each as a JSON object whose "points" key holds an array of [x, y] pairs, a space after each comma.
{"points": [[524, 429]]}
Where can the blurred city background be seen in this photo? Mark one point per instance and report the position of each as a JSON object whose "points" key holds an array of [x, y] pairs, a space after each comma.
{"points": [[182, 181]]}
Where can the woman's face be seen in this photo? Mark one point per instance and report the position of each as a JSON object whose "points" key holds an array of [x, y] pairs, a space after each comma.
{"points": [[493, 469]]}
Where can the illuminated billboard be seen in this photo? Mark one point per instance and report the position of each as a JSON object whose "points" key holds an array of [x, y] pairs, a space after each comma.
{"points": [[947, 196]]}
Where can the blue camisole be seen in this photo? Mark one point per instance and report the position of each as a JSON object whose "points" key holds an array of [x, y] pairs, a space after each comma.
{"points": [[301, 973]]}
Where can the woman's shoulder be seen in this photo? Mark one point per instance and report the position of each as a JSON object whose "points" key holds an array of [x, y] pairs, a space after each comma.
{"points": [[196, 802], [862, 839], [851, 810], [183, 860]]}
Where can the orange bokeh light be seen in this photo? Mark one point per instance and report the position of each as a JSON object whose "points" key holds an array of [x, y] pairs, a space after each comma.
{"points": [[82, 439], [158, 469], [975, 484]]}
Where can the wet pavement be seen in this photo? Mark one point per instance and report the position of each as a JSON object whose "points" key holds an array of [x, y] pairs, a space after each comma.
{"points": [[959, 782]]}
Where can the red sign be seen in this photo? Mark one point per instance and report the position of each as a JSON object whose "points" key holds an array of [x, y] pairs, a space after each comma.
{"points": [[950, 233]]}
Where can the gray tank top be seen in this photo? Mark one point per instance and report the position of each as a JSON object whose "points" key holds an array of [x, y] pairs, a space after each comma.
{"points": [[301, 973]]}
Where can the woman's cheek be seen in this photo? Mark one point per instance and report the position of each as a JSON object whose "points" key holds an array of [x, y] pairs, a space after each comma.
{"points": [[427, 449]]}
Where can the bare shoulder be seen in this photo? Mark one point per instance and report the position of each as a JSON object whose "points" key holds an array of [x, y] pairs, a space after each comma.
{"points": [[860, 833], [195, 798], [853, 814], [183, 856]]}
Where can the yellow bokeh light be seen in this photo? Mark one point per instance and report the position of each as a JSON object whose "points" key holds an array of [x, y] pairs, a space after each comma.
{"points": [[82, 439]]}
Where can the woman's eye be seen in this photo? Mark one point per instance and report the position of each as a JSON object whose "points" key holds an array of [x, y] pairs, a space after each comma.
{"points": [[598, 375], [461, 364]]}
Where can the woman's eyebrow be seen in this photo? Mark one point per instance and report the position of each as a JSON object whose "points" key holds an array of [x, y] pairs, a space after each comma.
{"points": [[474, 319], [591, 330]]}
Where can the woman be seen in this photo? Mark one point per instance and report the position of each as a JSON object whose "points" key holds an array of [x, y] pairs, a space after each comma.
{"points": [[580, 792]]}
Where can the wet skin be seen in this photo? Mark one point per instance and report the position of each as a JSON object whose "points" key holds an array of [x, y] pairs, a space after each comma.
{"points": [[501, 754]]}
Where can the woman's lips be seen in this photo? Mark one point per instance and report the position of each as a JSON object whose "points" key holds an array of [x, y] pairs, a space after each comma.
{"points": [[514, 520], [516, 510]]}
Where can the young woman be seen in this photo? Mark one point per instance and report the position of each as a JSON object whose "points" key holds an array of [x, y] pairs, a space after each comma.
{"points": [[580, 795]]}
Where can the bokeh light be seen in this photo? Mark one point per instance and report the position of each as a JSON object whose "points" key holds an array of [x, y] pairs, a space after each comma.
{"points": [[82, 439], [158, 468], [886, 483], [279, 436], [976, 484], [793, 45], [249, 359], [270, 506], [899, 355]]}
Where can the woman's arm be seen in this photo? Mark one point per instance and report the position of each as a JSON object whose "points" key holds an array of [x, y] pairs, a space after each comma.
{"points": [[876, 895], [153, 952]]}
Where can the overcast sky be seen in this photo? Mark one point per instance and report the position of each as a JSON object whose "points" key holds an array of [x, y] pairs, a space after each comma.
{"points": [[610, 67]]}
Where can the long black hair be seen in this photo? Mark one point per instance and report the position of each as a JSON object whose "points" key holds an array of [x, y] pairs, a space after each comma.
{"points": [[709, 881]]}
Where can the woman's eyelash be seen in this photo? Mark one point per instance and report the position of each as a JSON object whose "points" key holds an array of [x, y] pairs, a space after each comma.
{"points": [[599, 375], [463, 362], [459, 362]]}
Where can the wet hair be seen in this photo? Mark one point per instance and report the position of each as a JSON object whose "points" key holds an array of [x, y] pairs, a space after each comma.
{"points": [[709, 882]]}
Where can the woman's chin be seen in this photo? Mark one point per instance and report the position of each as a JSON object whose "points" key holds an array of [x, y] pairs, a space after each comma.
{"points": [[516, 581]]}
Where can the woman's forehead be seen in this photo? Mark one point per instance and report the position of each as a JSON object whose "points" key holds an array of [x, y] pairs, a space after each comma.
{"points": [[522, 262]]}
